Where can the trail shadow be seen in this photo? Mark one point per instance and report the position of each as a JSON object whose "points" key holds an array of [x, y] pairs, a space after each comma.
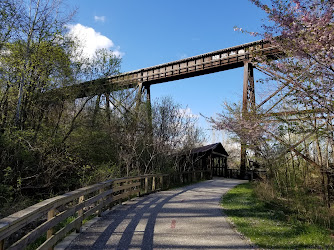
{"points": [[147, 207]]}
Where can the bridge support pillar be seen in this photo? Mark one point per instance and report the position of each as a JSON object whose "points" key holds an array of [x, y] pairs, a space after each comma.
{"points": [[139, 96], [149, 119], [149, 105], [248, 104], [142, 89]]}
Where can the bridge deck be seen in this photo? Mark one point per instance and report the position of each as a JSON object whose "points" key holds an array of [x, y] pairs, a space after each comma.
{"points": [[211, 62], [184, 218]]}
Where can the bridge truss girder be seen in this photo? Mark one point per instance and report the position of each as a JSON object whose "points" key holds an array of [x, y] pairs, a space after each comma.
{"points": [[249, 105]]}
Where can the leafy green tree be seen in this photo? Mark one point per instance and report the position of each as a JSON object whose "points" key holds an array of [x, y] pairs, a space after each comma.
{"points": [[9, 21]]}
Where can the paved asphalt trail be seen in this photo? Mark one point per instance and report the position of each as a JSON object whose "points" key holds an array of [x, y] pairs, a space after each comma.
{"points": [[185, 218]]}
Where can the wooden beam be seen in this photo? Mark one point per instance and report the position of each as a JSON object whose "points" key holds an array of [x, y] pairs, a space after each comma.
{"points": [[216, 153]]}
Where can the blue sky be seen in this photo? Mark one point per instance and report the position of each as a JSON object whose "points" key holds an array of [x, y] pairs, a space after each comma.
{"points": [[151, 32]]}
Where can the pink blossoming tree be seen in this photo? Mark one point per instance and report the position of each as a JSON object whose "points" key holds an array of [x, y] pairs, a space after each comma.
{"points": [[304, 31]]}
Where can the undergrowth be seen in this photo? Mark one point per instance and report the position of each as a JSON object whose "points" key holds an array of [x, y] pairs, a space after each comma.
{"points": [[270, 226]]}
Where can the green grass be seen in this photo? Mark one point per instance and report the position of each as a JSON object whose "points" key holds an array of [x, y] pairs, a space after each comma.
{"points": [[269, 227]]}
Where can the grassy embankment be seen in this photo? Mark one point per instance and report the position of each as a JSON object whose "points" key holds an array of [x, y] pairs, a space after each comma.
{"points": [[268, 226]]}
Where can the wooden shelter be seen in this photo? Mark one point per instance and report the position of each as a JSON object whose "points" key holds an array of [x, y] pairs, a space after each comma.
{"points": [[213, 157]]}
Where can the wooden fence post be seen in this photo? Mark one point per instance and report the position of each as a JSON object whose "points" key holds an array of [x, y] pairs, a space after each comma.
{"points": [[174, 179], [162, 182], [50, 232], [120, 200], [111, 204], [80, 213], [100, 202], [153, 183], [2, 244], [140, 187], [129, 189], [146, 185]]}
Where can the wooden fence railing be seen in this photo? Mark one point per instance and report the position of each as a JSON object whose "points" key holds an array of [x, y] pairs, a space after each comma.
{"points": [[46, 223]]}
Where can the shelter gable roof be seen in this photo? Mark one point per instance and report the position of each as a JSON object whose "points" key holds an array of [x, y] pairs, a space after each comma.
{"points": [[216, 147]]}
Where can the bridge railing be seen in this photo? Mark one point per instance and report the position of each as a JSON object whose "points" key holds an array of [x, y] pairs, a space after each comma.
{"points": [[46, 223]]}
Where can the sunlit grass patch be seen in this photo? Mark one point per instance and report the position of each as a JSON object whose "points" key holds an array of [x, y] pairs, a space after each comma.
{"points": [[269, 227]]}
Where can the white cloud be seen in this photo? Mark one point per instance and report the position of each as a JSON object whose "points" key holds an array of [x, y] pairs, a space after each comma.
{"points": [[101, 19], [187, 112], [90, 40], [117, 52]]}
